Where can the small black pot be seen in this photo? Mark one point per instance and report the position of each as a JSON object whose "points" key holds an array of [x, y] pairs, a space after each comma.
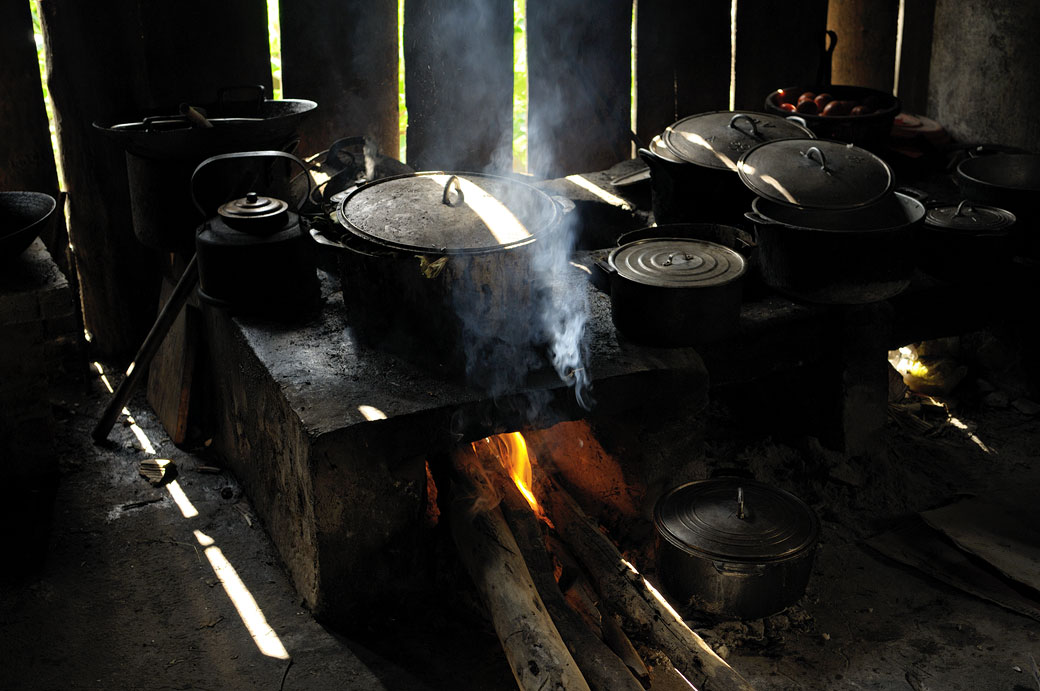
{"points": [[1007, 181], [733, 547], [675, 292], [23, 216], [965, 243]]}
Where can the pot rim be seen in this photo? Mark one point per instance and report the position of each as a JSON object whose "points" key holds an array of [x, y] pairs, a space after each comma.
{"points": [[964, 166], [549, 226], [762, 219]]}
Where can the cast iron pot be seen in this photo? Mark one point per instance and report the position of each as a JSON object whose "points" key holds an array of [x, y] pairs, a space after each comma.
{"points": [[163, 150], [675, 291], [1007, 181], [734, 547], [439, 267], [828, 226], [965, 243], [870, 131], [693, 164], [23, 215], [254, 257]]}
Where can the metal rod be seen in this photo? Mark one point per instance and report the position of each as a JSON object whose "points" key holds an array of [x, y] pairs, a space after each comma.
{"points": [[148, 348]]}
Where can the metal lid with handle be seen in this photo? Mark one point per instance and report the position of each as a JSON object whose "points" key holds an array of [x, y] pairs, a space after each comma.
{"points": [[815, 174], [968, 217], [719, 138], [677, 263], [736, 520]]}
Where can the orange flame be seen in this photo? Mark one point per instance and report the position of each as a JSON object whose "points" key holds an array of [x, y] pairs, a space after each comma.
{"points": [[511, 451]]}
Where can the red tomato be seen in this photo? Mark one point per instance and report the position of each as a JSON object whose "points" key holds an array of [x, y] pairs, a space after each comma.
{"points": [[861, 110], [838, 108], [822, 100], [808, 107], [790, 107], [807, 96]]}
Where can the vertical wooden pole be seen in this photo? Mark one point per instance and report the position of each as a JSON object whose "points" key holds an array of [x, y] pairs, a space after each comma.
{"points": [[26, 157], [458, 57], [779, 43], [343, 56], [915, 54], [866, 50], [682, 61], [579, 66]]}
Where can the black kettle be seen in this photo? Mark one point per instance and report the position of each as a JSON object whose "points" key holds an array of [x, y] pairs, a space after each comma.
{"points": [[255, 257]]}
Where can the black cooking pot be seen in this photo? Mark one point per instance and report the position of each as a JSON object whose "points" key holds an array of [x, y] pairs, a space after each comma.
{"points": [[966, 243], [870, 130], [163, 150], [442, 268], [1007, 181], [675, 291], [693, 164], [23, 215], [734, 547], [828, 226], [254, 257]]}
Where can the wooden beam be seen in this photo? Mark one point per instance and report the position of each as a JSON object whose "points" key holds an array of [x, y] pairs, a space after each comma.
{"points": [[682, 61], [343, 56], [779, 43], [866, 50], [458, 57], [916, 54], [579, 95]]}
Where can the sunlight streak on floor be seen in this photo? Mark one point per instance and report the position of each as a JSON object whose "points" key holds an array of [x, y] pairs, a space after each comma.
{"points": [[263, 635], [181, 499]]}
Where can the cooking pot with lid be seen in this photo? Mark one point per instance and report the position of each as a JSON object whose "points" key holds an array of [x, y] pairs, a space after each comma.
{"points": [[442, 267], [734, 547], [693, 164]]}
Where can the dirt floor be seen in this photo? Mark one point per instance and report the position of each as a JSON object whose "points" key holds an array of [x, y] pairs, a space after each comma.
{"points": [[131, 593]]}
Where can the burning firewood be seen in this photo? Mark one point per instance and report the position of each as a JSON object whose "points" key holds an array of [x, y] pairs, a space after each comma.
{"points": [[536, 653], [625, 592]]}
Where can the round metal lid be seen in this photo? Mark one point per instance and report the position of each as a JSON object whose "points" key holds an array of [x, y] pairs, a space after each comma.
{"points": [[718, 139], [968, 217], [252, 206], [736, 520], [442, 212], [815, 174], [677, 263]]}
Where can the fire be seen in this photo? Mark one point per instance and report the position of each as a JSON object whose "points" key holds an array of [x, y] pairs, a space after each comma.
{"points": [[511, 451]]}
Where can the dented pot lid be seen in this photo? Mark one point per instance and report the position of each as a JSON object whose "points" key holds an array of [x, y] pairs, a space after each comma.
{"points": [[815, 174], [448, 213], [719, 138], [677, 263], [736, 520]]}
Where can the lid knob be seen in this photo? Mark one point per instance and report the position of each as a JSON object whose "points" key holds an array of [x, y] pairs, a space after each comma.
{"points": [[741, 512]]}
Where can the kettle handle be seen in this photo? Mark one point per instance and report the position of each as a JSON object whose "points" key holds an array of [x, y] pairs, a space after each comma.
{"points": [[250, 154]]}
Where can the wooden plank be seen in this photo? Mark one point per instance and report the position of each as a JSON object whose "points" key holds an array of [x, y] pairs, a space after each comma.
{"points": [[172, 369], [866, 50], [915, 54], [579, 85], [342, 54], [458, 57], [682, 61], [111, 62], [779, 43], [26, 160]]}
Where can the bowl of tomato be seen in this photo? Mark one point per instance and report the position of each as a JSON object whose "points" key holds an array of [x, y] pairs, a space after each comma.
{"points": [[854, 114]]}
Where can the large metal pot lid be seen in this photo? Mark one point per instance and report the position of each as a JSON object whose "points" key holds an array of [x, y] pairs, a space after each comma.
{"points": [[815, 174], [448, 213], [736, 520], [968, 217], [677, 263], [718, 139]]}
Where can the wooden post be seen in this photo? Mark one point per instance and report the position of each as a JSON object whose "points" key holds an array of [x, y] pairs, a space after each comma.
{"points": [[779, 43], [579, 66], [458, 61], [915, 54], [117, 61], [682, 61], [342, 56], [866, 50], [26, 157]]}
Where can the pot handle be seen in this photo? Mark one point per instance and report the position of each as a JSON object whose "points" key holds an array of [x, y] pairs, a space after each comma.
{"points": [[250, 154], [566, 205], [319, 236], [758, 218], [744, 116], [819, 158]]}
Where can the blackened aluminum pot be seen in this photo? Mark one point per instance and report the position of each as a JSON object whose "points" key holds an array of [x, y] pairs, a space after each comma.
{"points": [[734, 548]]}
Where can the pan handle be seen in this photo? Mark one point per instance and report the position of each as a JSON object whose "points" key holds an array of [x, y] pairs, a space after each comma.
{"points": [[758, 218]]}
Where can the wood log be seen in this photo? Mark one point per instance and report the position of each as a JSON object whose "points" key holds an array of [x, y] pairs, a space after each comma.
{"points": [[537, 656], [602, 669], [342, 56], [915, 54], [626, 593], [458, 61]]}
